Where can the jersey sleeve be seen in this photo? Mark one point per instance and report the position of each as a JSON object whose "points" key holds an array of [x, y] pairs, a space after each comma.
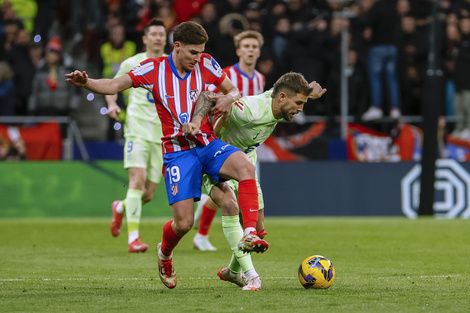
{"points": [[240, 114], [213, 73], [144, 75]]}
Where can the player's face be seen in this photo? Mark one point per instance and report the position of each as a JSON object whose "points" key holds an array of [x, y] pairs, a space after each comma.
{"points": [[155, 39], [187, 56], [249, 51], [292, 106]]}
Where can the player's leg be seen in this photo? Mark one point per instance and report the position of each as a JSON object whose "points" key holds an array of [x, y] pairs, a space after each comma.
{"points": [[240, 269], [183, 182], [239, 167], [133, 204], [227, 162], [208, 211]]}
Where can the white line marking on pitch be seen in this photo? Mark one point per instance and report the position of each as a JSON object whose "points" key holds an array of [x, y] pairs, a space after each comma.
{"points": [[120, 279], [437, 276]]}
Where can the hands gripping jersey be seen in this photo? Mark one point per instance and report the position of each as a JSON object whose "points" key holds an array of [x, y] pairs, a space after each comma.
{"points": [[141, 117], [248, 124], [248, 86], [175, 97]]}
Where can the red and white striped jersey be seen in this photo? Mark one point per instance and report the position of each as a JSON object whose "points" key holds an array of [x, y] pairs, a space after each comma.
{"points": [[175, 97], [248, 86]]}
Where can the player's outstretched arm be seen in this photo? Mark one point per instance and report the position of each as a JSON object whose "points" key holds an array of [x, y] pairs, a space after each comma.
{"points": [[317, 92], [203, 105], [101, 86]]}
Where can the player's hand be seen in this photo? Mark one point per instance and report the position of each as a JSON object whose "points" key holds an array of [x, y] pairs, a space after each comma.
{"points": [[222, 106], [317, 91], [113, 110], [191, 128], [77, 78]]}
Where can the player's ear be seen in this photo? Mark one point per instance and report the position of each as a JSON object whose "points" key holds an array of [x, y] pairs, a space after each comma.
{"points": [[237, 52]]}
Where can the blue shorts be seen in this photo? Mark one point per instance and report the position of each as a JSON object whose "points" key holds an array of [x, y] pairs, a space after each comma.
{"points": [[184, 169]]}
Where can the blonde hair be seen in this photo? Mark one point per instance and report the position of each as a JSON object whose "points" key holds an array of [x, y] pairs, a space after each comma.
{"points": [[248, 34]]}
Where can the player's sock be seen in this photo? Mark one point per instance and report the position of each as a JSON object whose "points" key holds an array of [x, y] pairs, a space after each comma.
{"points": [[207, 216], [169, 239], [248, 202], [233, 233], [250, 273], [133, 212]]}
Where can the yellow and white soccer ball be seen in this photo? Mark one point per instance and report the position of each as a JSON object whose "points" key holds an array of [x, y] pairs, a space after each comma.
{"points": [[316, 272]]}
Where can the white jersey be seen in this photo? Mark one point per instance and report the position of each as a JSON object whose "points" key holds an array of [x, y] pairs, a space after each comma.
{"points": [[249, 123], [141, 115]]}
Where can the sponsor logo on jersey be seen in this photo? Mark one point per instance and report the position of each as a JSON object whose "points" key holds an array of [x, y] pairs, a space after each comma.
{"points": [[184, 117], [150, 97]]}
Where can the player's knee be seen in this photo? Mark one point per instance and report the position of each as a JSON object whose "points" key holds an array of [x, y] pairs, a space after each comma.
{"points": [[183, 227], [229, 207], [147, 197], [248, 171]]}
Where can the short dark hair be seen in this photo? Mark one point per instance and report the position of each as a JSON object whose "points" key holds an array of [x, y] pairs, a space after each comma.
{"points": [[291, 83], [190, 33], [153, 22]]}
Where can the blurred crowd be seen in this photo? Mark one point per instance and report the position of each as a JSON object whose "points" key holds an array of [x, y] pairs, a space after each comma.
{"points": [[388, 47]]}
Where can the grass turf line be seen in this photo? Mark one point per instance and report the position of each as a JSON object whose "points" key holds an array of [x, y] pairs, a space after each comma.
{"points": [[382, 265]]}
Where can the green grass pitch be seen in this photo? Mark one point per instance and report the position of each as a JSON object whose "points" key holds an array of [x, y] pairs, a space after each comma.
{"points": [[382, 265]]}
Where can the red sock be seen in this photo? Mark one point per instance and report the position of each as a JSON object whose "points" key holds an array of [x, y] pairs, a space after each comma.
{"points": [[170, 239], [207, 216], [248, 202]]}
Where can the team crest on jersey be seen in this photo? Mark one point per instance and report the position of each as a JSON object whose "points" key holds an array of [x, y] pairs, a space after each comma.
{"points": [[184, 117], [174, 189], [193, 94]]}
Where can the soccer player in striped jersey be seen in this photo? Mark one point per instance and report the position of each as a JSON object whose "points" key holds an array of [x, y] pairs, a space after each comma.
{"points": [[250, 82], [176, 82], [249, 123], [143, 145]]}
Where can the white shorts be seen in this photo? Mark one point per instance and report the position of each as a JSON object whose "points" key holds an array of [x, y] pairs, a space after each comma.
{"points": [[144, 154]]}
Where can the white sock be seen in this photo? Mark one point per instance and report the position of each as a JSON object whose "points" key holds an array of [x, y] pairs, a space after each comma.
{"points": [[133, 235], [250, 274], [199, 236], [248, 230], [164, 257], [119, 208]]}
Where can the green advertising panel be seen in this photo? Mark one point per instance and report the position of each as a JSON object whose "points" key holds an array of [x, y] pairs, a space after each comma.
{"points": [[68, 189]]}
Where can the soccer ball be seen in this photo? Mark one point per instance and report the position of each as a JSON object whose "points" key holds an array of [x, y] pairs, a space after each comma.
{"points": [[316, 272]]}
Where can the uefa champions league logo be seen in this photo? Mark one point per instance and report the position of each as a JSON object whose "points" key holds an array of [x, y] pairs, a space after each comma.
{"points": [[452, 188]]}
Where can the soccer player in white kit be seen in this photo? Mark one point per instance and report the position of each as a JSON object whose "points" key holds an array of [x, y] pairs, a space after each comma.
{"points": [[143, 146], [249, 123], [250, 82]]}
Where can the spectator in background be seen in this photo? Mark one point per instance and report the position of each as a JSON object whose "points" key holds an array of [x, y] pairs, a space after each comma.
{"points": [[210, 22], [7, 89], [450, 57], [8, 38], [113, 53], [51, 95], [24, 68], [383, 21], [412, 60], [462, 82]]}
